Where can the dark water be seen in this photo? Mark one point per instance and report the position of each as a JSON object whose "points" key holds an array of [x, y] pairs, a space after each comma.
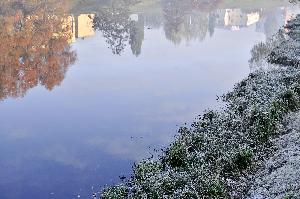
{"points": [[88, 88]]}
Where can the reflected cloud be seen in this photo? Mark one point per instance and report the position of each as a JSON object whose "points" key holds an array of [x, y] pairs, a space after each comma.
{"points": [[134, 147], [62, 155], [134, 150], [19, 133]]}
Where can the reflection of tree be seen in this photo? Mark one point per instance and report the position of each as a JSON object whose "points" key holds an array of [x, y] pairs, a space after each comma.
{"points": [[119, 29], [211, 23], [174, 17], [34, 48], [205, 5], [115, 24], [137, 36], [153, 20], [271, 20], [196, 26], [183, 24]]}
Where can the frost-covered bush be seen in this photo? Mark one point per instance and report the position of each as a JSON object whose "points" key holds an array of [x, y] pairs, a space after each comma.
{"points": [[288, 52], [116, 192], [213, 157]]}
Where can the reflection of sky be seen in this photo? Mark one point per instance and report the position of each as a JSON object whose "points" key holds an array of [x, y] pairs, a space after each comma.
{"points": [[110, 109]]}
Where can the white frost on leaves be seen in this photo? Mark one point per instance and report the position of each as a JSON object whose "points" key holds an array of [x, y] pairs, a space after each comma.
{"points": [[281, 176]]}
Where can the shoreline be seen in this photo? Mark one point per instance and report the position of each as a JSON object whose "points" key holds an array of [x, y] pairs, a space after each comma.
{"points": [[218, 156]]}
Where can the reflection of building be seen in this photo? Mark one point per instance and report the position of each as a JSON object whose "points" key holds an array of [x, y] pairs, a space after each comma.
{"points": [[177, 25], [134, 17], [81, 26], [252, 18], [234, 19]]}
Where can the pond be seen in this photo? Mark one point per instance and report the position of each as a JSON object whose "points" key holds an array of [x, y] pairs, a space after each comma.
{"points": [[87, 88]]}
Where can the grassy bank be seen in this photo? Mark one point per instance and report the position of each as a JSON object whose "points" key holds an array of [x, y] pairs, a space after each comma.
{"points": [[215, 155]]}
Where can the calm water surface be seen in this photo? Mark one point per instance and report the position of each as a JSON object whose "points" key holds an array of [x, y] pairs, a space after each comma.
{"points": [[89, 88]]}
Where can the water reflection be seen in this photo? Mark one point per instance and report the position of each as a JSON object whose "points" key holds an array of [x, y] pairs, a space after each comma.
{"points": [[110, 109], [182, 21], [34, 47], [117, 28]]}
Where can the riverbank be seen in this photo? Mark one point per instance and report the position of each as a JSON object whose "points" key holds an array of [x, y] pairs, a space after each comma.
{"points": [[280, 176], [218, 155]]}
